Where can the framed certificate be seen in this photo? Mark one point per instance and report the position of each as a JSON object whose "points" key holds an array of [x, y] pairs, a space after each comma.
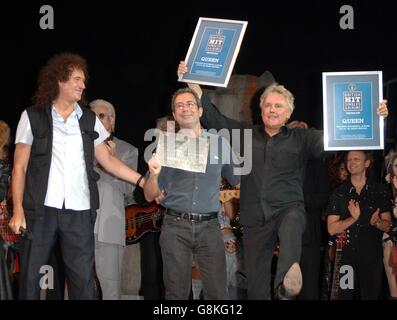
{"points": [[350, 101], [213, 51]]}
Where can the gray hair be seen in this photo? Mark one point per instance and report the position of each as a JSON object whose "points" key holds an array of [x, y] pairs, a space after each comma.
{"points": [[101, 102], [280, 89]]}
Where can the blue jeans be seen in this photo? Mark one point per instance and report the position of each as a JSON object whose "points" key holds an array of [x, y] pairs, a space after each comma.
{"points": [[181, 239]]}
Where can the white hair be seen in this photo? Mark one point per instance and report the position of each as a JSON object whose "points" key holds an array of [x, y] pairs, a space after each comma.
{"points": [[101, 102]]}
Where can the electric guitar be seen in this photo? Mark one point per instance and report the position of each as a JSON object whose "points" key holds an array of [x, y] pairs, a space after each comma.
{"points": [[139, 220], [341, 242]]}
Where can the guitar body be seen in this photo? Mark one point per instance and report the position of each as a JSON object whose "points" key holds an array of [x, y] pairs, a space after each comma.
{"points": [[139, 220]]}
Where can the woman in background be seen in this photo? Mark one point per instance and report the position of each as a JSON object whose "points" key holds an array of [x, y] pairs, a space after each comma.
{"points": [[390, 249]]}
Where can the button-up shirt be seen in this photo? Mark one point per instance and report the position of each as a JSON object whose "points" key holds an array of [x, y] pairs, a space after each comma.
{"points": [[194, 192], [67, 182], [278, 164], [362, 235]]}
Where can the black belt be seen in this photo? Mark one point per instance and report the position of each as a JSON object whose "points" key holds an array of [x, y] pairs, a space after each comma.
{"points": [[197, 217]]}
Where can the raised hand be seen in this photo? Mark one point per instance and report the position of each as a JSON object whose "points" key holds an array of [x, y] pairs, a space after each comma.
{"points": [[154, 165], [182, 68], [382, 109]]}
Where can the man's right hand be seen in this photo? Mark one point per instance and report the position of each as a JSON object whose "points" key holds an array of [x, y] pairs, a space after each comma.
{"points": [[154, 165], [182, 68], [354, 209], [17, 220]]}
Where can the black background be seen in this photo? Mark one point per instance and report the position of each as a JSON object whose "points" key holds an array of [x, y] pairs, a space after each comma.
{"points": [[133, 49]]}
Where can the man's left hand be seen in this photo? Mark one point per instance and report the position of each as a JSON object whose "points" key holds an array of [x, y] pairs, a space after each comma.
{"points": [[382, 110]]}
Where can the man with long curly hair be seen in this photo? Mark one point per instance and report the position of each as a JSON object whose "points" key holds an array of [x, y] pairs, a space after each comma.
{"points": [[54, 187]]}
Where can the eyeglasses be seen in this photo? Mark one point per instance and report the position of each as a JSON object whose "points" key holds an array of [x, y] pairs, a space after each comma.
{"points": [[102, 116], [188, 105]]}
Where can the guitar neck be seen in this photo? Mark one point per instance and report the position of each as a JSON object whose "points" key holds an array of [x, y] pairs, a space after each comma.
{"points": [[336, 275]]}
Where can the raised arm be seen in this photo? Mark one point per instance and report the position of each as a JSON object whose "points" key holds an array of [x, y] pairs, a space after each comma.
{"points": [[212, 118]]}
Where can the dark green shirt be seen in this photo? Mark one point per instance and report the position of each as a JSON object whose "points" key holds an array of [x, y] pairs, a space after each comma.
{"points": [[278, 164]]}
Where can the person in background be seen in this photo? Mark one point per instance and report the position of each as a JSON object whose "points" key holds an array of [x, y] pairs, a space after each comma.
{"points": [[390, 240], [7, 238], [114, 195], [360, 207]]}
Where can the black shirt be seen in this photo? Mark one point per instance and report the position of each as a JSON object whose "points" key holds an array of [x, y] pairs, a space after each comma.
{"points": [[278, 164], [363, 237]]}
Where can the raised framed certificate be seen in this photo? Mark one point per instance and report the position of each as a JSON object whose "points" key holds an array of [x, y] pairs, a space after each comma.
{"points": [[213, 51], [350, 102]]}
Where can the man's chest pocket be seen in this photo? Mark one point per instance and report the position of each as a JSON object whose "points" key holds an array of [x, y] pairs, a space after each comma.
{"points": [[285, 160]]}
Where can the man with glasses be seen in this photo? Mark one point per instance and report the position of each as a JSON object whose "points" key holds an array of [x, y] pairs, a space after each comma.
{"points": [[114, 194], [190, 226]]}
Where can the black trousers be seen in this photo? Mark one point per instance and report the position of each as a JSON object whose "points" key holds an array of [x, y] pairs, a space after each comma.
{"points": [[310, 265], [310, 262], [259, 242], [56, 262], [75, 232], [367, 270]]}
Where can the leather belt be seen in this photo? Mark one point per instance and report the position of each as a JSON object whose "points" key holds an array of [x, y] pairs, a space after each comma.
{"points": [[197, 217]]}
